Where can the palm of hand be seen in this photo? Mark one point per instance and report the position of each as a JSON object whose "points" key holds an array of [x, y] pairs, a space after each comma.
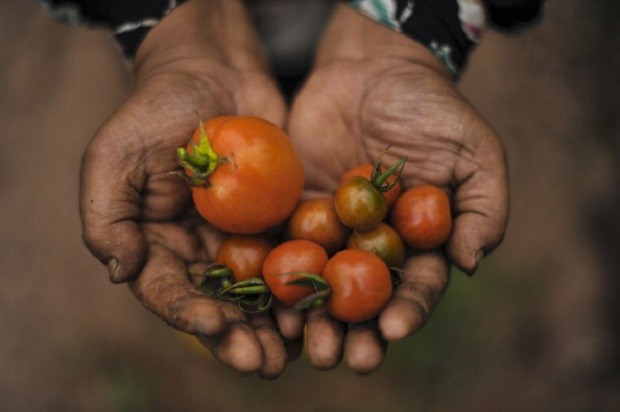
{"points": [[136, 156], [350, 111], [138, 215]]}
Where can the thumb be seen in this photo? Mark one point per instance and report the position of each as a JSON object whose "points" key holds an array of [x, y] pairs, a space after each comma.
{"points": [[110, 198], [481, 205]]}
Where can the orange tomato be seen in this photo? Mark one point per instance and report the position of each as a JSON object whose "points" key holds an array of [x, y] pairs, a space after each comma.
{"points": [[252, 176], [244, 255]]}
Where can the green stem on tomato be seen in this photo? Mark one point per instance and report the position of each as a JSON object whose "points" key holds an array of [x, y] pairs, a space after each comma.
{"points": [[202, 161], [308, 280], [260, 304], [379, 178], [250, 286], [252, 295], [317, 299], [214, 278], [322, 290]]}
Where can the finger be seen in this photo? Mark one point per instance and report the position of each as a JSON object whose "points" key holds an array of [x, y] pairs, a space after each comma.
{"points": [[322, 163], [165, 290], [324, 339], [425, 279], [290, 322], [211, 239], [364, 347], [253, 90], [481, 204], [110, 187], [274, 352], [220, 326], [178, 237], [238, 347]]}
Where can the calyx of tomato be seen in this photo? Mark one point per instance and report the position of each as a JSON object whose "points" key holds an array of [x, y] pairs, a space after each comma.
{"points": [[217, 281], [201, 161], [379, 178], [322, 290], [252, 295], [213, 279]]}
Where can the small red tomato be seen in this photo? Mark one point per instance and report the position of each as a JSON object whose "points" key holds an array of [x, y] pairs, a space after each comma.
{"points": [[246, 176], [288, 258], [383, 241], [360, 283], [316, 220], [422, 217], [244, 255], [359, 204], [365, 170]]}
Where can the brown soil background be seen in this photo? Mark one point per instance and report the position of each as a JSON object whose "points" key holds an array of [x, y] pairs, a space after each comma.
{"points": [[536, 329]]}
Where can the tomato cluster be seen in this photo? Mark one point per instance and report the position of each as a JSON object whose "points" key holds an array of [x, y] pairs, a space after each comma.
{"points": [[342, 251]]}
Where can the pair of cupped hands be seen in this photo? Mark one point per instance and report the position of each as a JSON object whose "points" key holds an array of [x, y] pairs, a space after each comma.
{"points": [[370, 88]]}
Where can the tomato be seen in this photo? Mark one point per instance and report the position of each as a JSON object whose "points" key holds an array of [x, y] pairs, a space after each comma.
{"points": [[359, 204], [422, 217], [316, 220], [383, 241], [244, 255], [247, 176], [365, 170], [360, 285], [285, 260]]}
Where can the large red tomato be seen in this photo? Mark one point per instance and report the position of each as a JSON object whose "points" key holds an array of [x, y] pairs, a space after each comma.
{"points": [[247, 176]]}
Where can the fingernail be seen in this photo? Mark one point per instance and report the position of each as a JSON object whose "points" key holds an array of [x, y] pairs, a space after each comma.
{"points": [[112, 265], [478, 258]]}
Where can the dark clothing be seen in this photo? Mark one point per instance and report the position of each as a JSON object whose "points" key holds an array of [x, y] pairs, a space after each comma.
{"points": [[449, 28]]}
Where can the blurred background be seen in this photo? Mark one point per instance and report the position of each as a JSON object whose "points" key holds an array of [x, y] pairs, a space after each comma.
{"points": [[535, 330]]}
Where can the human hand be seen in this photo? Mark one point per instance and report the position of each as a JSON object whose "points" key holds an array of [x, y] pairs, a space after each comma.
{"points": [[372, 88], [137, 215]]}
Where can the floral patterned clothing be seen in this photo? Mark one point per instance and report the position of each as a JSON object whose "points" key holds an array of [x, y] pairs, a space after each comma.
{"points": [[449, 28]]}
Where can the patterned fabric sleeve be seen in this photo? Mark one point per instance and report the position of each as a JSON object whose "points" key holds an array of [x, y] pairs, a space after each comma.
{"points": [[129, 20], [449, 28]]}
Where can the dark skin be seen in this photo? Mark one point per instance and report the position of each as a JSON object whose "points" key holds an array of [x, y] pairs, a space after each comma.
{"points": [[371, 87], [388, 90], [137, 216]]}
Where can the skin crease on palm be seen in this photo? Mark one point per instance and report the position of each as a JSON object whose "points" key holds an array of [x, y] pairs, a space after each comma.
{"points": [[370, 88]]}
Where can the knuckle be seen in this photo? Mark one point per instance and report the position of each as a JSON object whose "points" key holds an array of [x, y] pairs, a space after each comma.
{"points": [[423, 297]]}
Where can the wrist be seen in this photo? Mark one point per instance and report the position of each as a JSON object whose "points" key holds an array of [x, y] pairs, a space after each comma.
{"points": [[448, 28], [203, 33], [352, 35]]}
